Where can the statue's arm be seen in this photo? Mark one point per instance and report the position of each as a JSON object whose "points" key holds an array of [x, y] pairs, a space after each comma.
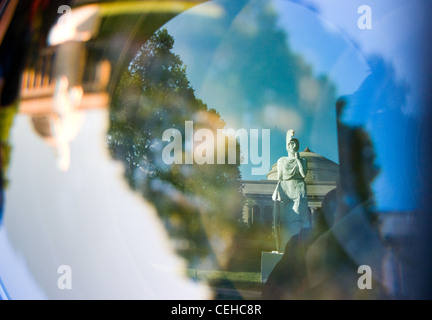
{"points": [[305, 166], [279, 169], [302, 165]]}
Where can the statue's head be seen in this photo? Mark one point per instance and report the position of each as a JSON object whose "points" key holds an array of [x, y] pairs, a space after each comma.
{"points": [[293, 145]]}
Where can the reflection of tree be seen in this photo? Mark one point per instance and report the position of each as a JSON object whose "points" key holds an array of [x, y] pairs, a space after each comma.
{"points": [[357, 165], [257, 70], [6, 118], [199, 204]]}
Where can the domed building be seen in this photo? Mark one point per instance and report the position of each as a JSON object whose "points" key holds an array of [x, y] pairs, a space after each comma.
{"points": [[321, 178]]}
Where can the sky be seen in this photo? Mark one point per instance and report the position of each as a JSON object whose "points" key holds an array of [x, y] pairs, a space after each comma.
{"points": [[207, 43], [380, 67]]}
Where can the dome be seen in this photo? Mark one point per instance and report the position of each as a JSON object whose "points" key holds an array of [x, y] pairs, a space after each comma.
{"points": [[319, 168]]}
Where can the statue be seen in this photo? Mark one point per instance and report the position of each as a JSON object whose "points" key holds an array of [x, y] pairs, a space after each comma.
{"points": [[291, 212]]}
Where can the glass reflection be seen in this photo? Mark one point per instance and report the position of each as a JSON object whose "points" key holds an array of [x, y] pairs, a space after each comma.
{"points": [[84, 182], [200, 205]]}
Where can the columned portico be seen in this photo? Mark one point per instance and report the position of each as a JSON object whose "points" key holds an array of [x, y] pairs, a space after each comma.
{"points": [[321, 178]]}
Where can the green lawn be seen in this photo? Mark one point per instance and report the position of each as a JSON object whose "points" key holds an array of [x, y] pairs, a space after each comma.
{"points": [[249, 282], [228, 275]]}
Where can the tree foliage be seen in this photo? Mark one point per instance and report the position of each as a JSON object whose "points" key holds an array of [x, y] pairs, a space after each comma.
{"points": [[199, 204]]}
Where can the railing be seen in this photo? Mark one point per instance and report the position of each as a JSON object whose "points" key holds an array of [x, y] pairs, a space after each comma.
{"points": [[39, 81], [38, 86]]}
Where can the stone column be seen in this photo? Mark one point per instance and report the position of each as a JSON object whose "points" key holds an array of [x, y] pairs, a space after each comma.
{"points": [[256, 214], [247, 214]]}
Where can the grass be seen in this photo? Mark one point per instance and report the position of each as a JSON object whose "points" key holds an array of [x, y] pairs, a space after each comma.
{"points": [[228, 275], [237, 285]]}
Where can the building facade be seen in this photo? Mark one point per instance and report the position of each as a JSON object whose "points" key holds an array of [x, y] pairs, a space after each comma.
{"points": [[321, 178]]}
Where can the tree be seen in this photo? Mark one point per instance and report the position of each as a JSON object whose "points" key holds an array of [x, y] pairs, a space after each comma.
{"points": [[199, 204]]}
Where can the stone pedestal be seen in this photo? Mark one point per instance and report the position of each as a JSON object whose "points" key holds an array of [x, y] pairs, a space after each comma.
{"points": [[268, 262]]}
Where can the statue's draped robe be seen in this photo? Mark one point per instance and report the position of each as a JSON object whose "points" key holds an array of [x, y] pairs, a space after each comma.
{"points": [[291, 212]]}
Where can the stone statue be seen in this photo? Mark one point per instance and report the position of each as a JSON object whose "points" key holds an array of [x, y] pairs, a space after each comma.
{"points": [[291, 212]]}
